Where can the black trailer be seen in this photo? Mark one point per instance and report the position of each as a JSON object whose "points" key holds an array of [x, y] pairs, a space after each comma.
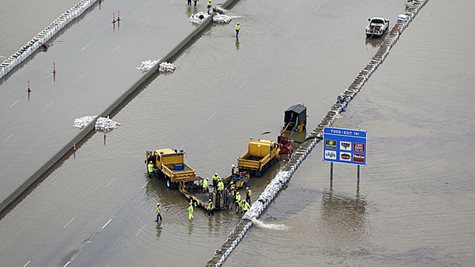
{"points": [[295, 118]]}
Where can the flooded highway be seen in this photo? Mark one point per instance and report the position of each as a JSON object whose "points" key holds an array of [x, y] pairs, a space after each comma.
{"points": [[94, 61], [97, 209], [415, 205]]}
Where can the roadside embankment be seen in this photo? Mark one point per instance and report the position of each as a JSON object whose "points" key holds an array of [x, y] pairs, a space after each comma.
{"points": [[44, 36], [286, 172]]}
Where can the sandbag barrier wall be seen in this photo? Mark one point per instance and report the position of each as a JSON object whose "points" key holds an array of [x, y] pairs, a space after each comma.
{"points": [[113, 107], [286, 172], [44, 36]]}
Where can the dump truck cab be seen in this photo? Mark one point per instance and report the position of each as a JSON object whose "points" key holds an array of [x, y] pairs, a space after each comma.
{"points": [[170, 164], [260, 155]]}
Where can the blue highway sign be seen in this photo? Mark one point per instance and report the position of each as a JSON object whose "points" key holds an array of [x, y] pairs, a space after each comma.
{"points": [[344, 146]]}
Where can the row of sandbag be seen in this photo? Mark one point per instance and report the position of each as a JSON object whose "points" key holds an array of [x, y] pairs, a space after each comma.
{"points": [[286, 172], [44, 36]]}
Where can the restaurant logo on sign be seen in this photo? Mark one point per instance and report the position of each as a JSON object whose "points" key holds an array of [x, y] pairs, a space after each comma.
{"points": [[344, 146]]}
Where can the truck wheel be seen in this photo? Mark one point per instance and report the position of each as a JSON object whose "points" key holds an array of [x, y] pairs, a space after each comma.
{"points": [[258, 173], [169, 183]]}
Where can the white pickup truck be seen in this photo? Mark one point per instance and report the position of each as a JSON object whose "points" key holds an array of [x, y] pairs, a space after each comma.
{"points": [[377, 27]]}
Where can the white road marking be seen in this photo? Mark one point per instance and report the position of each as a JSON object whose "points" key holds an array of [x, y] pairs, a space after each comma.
{"points": [[105, 225], [83, 76], [26, 264], [16, 102], [141, 229], [8, 138], [212, 115], [84, 47], [49, 104], [70, 221], [114, 49], [67, 263]]}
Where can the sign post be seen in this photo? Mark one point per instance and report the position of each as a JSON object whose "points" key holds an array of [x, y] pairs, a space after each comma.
{"points": [[345, 146]]}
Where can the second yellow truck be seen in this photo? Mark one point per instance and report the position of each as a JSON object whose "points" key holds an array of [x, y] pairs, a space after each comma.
{"points": [[260, 155]]}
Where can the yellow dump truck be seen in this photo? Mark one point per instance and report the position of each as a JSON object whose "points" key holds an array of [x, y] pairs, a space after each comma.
{"points": [[170, 165], [259, 156]]}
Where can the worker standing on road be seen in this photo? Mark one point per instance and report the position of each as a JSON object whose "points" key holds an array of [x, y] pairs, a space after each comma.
{"points": [[238, 198], [216, 178], [190, 210], [220, 193], [150, 169], [205, 185], [245, 207], [210, 5], [209, 207], [157, 210], [237, 27], [248, 195], [189, 2]]}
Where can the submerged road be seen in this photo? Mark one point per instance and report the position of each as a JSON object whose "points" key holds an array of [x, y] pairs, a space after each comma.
{"points": [[97, 209], [95, 64]]}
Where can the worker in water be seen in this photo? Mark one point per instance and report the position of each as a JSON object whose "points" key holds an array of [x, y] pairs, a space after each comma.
{"points": [[237, 27], [209, 207], [245, 207], [190, 210], [157, 210], [205, 185], [232, 189], [238, 198], [189, 2], [248, 195], [195, 2], [216, 178], [227, 198], [150, 169], [219, 196], [210, 5], [233, 170]]}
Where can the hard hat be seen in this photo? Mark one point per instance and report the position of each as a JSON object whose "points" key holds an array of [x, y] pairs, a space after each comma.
{"points": [[158, 204], [247, 187], [216, 173], [232, 166]]}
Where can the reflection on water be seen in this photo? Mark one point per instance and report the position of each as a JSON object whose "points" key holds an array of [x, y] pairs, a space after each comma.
{"points": [[158, 227], [374, 42], [343, 213], [237, 44]]}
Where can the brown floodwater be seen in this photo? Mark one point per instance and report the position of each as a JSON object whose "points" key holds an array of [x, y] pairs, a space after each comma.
{"points": [[415, 205], [97, 209]]}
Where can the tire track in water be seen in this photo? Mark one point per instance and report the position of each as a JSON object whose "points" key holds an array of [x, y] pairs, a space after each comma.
{"points": [[286, 172]]}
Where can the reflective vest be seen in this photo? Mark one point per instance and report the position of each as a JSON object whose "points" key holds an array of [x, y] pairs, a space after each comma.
{"points": [[190, 209], [238, 197], [210, 3], [220, 186], [205, 183], [216, 177], [157, 209], [237, 27], [249, 193], [246, 206], [150, 167]]}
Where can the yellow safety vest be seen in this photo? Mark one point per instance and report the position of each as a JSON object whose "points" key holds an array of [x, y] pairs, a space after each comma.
{"points": [[150, 167], [205, 183], [237, 27], [220, 186]]}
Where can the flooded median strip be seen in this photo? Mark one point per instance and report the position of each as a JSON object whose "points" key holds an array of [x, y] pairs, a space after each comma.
{"points": [[285, 173]]}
